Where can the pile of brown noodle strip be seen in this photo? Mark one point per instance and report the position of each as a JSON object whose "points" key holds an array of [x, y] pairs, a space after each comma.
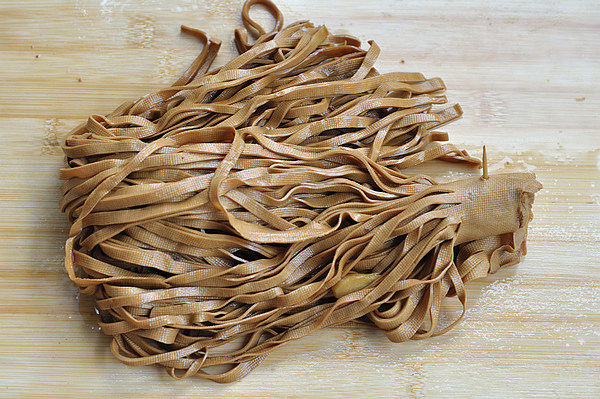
{"points": [[250, 205]]}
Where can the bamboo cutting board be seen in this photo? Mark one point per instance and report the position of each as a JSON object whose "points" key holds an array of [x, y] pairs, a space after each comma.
{"points": [[527, 77]]}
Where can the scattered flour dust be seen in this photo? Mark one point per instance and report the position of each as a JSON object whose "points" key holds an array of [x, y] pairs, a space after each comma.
{"points": [[508, 163], [575, 232], [546, 310]]}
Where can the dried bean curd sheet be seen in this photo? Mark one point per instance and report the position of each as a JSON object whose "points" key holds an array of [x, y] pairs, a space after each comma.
{"points": [[247, 206]]}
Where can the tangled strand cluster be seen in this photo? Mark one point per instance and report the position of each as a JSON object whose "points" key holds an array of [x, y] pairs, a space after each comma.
{"points": [[249, 205]]}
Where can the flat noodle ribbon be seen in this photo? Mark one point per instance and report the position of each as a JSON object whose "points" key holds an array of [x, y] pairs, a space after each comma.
{"points": [[247, 206]]}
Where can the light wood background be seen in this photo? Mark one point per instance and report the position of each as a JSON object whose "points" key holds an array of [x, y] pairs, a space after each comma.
{"points": [[527, 75]]}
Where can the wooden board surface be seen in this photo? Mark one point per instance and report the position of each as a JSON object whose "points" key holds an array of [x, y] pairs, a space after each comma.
{"points": [[527, 76]]}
